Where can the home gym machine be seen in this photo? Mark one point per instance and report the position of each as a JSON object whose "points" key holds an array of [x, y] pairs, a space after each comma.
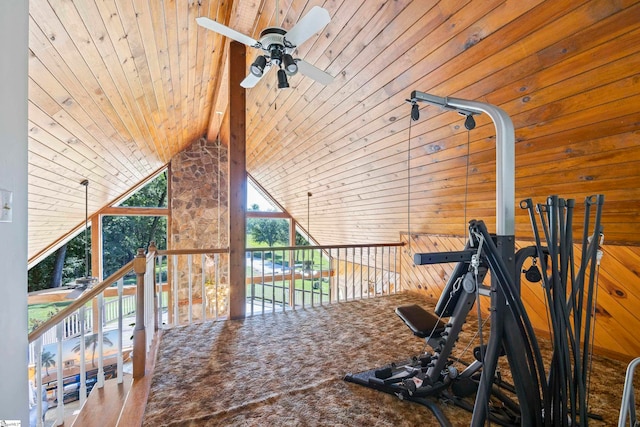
{"points": [[511, 335], [434, 374]]}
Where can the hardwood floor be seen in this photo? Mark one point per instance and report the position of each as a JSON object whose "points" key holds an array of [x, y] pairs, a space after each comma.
{"points": [[134, 406], [104, 405], [118, 404]]}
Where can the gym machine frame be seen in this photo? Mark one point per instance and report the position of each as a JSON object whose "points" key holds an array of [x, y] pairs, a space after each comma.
{"points": [[508, 334], [505, 332]]}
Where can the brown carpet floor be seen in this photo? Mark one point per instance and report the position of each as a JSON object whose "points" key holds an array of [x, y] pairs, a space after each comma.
{"points": [[287, 369]]}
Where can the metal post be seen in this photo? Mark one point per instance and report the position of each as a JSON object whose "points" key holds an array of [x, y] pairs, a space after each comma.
{"points": [[502, 326], [505, 154]]}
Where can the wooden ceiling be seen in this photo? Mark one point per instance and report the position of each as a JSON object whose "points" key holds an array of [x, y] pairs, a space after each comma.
{"points": [[117, 87]]}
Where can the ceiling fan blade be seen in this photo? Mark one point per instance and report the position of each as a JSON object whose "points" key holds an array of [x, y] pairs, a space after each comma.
{"points": [[226, 31], [251, 80], [308, 25], [313, 72]]}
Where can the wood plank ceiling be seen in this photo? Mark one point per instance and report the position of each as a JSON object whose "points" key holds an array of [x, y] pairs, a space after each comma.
{"points": [[117, 87]]}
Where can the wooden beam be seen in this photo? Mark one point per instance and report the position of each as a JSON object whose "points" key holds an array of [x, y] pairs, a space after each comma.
{"points": [[237, 181], [134, 211], [276, 215]]}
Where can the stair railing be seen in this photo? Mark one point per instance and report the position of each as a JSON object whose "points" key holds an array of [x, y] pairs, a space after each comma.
{"points": [[73, 379]]}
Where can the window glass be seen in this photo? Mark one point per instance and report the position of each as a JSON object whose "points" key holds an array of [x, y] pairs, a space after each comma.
{"points": [[152, 195], [257, 201]]}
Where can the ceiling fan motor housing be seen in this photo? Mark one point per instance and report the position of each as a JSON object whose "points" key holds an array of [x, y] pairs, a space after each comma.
{"points": [[272, 41]]}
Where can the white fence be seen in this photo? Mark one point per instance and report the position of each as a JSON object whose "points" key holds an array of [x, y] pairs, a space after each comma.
{"points": [[72, 325]]}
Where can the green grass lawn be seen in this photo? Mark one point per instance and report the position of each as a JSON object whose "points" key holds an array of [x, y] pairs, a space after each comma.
{"points": [[274, 292], [46, 310], [306, 255], [38, 313]]}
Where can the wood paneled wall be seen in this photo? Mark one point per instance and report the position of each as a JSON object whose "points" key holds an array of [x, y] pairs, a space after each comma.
{"points": [[618, 291]]}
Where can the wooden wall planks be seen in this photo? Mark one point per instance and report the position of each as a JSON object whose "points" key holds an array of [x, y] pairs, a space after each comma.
{"points": [[617, 295]]}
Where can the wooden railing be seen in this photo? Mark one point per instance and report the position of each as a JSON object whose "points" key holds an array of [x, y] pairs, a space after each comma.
{"points": [[184, 286], [197, 288], [73, 377], [291, 277]]}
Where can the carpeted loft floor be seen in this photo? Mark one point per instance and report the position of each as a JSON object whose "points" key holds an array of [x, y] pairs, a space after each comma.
{"points": [[286, 370]]}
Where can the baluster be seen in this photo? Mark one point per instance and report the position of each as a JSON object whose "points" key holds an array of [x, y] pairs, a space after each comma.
{"points": [[353, 273], [396, 282], [174, 266], [159, 259], [154, 298], [252, 286], [338, 275], [150, 298], [273, 285], [292, 279], [262, 282], [190, 284], [59, 380], [382, 270], [321, 277], [345, 279], [38, 378], [361, 271], [120, 285], [313, 257], [375, 271], [332, 285], [100, 377], [308, 264], [203, 299], [292, 290], [216, 264], [89, 319], [369, 272], [83, 364]]}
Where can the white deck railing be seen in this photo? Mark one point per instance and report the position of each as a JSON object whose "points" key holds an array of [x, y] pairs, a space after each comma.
{"points": [[71, 325]]}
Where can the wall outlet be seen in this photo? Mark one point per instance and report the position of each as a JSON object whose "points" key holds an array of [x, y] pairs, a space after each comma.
{"points": [[6, 206]]}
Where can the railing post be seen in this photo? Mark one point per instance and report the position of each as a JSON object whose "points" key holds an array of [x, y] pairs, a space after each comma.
{"points": [[139, 334], [156, 311]]}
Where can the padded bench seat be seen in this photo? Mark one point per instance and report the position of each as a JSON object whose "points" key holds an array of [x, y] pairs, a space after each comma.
{"points": [[420, 321]]}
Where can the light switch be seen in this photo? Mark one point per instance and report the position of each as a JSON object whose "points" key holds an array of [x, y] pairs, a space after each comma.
{"points": [[6, 206]]}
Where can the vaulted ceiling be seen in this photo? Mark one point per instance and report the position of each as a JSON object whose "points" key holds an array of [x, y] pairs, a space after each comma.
{"points": [[117, 87]]}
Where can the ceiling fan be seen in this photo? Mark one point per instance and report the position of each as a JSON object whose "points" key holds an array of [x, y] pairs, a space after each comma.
{"points": [[278, 45]]}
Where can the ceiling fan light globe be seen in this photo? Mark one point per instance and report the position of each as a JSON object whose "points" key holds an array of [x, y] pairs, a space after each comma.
{"points": [[282, 79], [257, 68], [290, 65]]}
